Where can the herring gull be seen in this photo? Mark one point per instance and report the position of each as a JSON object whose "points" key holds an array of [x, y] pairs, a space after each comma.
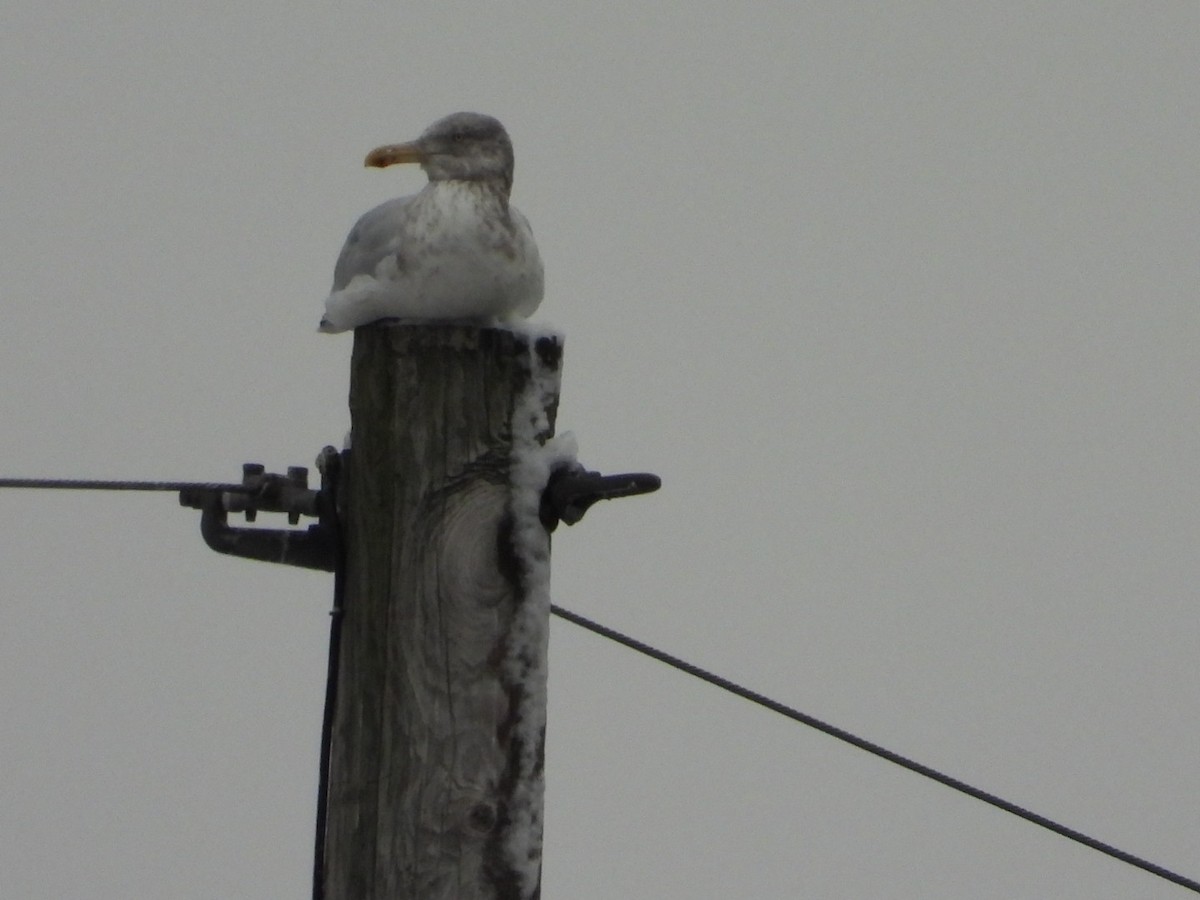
{"points": [[456, 251]]}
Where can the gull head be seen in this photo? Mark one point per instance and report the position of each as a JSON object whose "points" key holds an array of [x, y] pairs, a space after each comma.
{"points": [[460, 147]]}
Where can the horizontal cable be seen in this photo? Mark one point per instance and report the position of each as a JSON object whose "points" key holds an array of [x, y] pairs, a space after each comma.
{"points": [[85, 484], [883, 753]]}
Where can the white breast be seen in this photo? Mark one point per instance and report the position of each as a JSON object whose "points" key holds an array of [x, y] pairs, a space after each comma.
{"points": [[454, 251]]}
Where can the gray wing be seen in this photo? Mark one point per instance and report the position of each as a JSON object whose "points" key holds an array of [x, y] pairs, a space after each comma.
{"points": [[375, 235], [532, 262]]}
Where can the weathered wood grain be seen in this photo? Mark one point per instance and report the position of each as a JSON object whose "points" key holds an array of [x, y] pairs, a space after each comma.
{"points": [[427, 750]]}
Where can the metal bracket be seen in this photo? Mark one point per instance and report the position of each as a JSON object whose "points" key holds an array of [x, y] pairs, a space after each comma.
{"points": [[572, 490], [313, 548]]}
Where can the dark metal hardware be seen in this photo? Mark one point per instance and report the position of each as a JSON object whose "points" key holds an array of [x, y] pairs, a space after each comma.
{"points": [[572, 490], [315, 547]]}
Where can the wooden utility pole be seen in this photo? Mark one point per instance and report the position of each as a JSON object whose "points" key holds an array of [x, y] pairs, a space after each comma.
{"points": [[435, 776]]}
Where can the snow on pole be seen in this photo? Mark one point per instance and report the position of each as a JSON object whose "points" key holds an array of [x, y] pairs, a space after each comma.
{"points": [[436, 779]]}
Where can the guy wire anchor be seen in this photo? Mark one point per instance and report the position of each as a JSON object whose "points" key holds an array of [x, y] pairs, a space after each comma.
{"points": [[313, 548]]}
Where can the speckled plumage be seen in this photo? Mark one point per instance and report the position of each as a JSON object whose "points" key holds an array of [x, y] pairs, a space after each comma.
{"points": [[458, 250]]}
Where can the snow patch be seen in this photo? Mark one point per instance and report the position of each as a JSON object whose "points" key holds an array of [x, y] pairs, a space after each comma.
{"points": [[535, 455]]}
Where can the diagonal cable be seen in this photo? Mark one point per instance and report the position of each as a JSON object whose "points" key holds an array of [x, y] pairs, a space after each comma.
{"points": [[882, 752]]}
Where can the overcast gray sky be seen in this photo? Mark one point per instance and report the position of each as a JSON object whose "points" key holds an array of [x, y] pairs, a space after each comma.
{"points": [[898, 299]]}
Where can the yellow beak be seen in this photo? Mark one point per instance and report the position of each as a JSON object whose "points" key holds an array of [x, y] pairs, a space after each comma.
{"points": [[393, 154]]}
